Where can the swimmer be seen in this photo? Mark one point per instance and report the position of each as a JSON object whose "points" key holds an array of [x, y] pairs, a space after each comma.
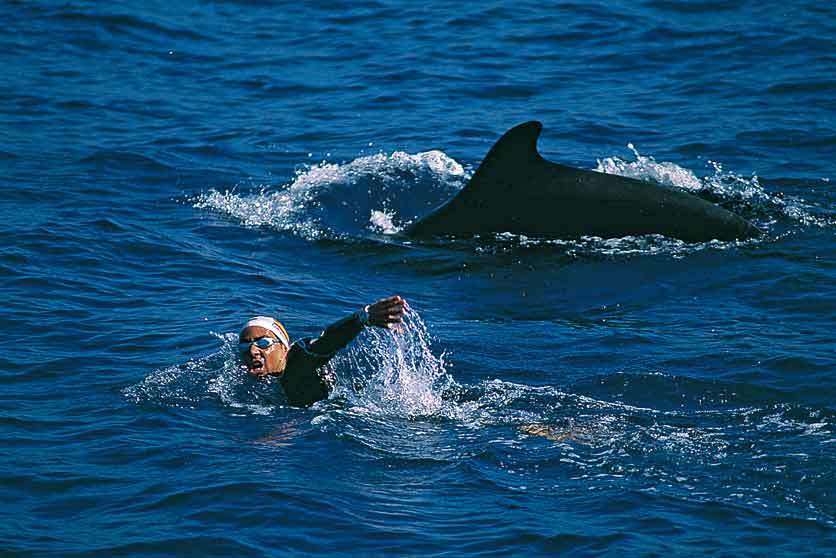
{"points": [[266, 349]]}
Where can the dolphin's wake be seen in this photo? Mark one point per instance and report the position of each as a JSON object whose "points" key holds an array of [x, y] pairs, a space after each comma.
{"points": [[374, 198]]}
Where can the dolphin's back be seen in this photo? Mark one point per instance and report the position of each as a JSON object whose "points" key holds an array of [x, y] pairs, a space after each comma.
{"points": [[517, 190]]}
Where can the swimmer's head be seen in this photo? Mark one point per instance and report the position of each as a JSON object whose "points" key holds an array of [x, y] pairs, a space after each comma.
{"points": [[264, 344]]}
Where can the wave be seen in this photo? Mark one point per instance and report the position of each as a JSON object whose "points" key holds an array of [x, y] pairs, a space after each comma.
{"points": [[376, 194], [375, 197]]}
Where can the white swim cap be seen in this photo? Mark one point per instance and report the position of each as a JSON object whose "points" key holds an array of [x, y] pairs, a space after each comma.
{"points": [[270, 324]]}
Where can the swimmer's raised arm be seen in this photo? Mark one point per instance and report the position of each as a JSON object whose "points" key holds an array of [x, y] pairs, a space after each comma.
{"points": [[266, 349], [386, 312]]}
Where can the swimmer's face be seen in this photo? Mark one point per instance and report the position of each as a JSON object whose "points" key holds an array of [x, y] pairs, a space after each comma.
{"points": [[262, 362]]}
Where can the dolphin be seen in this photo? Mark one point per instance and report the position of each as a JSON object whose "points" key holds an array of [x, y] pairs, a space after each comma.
{"points": [[516, 190]]}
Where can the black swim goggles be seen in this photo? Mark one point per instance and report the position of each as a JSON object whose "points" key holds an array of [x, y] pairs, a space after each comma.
{"points": [[261, 343]]}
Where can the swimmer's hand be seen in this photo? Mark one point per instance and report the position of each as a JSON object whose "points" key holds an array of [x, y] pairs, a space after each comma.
{"points": [[387, 312]]}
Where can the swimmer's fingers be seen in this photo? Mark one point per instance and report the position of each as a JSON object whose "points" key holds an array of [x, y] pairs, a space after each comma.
{"points": [[387, 312], [386, 318], [390, 302], [387, 305]]}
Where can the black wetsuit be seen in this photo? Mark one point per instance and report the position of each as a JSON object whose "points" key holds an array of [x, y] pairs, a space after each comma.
{"points": [[306, 379]]}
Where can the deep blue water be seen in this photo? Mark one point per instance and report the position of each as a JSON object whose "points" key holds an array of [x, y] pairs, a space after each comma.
{"points": [[170, 170]]}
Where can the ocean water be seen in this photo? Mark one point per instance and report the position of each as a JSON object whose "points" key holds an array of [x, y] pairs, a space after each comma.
{"points": [[171, 168]]}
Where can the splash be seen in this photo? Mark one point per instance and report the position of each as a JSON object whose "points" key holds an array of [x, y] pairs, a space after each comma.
{"points": [[399, 373], [335, 200], [381, 194], [744, 195], [381, 221], [218, 377], [646, 168]]}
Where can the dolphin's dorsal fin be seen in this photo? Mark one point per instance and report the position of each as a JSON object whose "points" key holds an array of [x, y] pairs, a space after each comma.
{"points": [[517, 190], [518, 146]]}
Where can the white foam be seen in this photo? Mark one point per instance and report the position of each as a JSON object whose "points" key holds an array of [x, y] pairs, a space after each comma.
{"points": [[318, 192], [722, 183], [402, 375], [382, 193], [217, 376], [647, 168], [381, 221]]}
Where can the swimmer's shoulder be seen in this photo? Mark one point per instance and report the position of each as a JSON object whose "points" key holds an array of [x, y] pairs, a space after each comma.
{"points": [[306, 347], [305, 380]]}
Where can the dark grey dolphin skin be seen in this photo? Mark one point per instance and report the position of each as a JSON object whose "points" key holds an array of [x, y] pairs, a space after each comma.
{"points": [[517, 190]]}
